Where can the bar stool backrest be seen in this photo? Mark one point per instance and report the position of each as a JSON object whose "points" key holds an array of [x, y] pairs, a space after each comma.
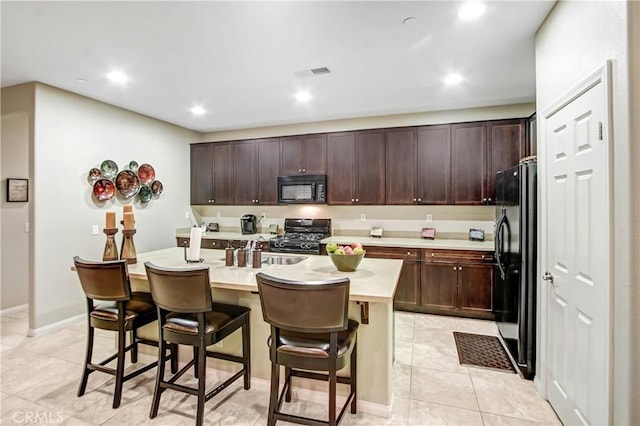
{"points": [[304, 306], [108, 281], [184, 290]]}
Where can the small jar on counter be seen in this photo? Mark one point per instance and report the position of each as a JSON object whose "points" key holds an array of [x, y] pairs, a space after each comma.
{"points": [[242, 257], [257, 258], [228, 256]]}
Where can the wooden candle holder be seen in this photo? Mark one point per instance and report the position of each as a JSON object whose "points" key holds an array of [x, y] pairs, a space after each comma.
{"points": [[128, 250], [110, 247]]}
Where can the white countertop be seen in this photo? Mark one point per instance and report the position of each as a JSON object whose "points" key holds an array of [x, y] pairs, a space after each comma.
{"points": [[374, 281], [413, 243], [367, 241]]}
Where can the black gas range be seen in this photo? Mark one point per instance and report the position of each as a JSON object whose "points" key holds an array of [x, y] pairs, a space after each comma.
{"points": [[301, 236]]}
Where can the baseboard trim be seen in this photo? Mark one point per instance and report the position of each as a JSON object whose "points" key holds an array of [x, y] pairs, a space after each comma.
{"points": [[14, 309], [33, 332]]}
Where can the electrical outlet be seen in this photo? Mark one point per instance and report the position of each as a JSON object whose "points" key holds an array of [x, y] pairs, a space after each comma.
{"points": [[186, 215], [429, 217], [95, 230], [263, 216], [363, 217]]}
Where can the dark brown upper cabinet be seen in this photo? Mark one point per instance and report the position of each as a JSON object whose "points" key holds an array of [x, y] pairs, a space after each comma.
{"points": [[468, 164], [434, 165], [256, 168], [212, 173], [356, 167], [419, 165], [305, 154], [505, 147]]}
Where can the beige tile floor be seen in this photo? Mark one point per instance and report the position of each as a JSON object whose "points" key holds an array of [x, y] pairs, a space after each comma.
{"points": [[39, 378]]}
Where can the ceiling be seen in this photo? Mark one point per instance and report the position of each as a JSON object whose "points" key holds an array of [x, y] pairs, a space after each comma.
{"points": [[243, 62]]}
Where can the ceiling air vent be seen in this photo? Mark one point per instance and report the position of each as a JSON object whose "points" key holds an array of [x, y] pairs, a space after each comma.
{"points": [[312, 72], [320, 71]]}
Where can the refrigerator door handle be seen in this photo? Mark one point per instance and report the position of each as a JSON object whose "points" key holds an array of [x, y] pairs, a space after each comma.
{"points": [[500, 242]]}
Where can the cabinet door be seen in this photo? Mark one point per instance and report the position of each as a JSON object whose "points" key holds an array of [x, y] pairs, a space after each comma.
{"points": [[475, 288], [341, 159], [505, 147], [244, 155], [201, 173], [408, 291], [291, 155], [401, 166], [468, 163], [268, 151], [370, 167], [434, 164], [439, 286], [222, 173], [314, 160]]}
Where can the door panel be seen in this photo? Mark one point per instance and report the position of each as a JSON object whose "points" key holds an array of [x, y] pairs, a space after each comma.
{"points": [[268, 170], [439, 285], [401, 166], [341, 156], [244, 156], [577, 249], [370, 179], [222, 173], [201, 173], [315, 154], [468, 145], [434, 164]]}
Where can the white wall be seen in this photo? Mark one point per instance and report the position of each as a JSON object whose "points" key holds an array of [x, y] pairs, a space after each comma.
{"points": [[378, 122], [72, 135], [17, 115], [576, 39]]}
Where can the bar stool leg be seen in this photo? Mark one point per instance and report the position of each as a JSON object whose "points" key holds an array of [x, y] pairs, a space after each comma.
{"points": [[134, 350], [87, 361], [122, 337], [354, 376], [273, 395], [174, 358], [201, 365], [332, 395], [162, 351], [195, 359], [287, 383], [246, 354]]}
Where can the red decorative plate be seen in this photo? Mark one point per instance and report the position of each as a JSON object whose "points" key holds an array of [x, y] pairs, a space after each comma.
{"points": [[146, 174], [103, 189]]}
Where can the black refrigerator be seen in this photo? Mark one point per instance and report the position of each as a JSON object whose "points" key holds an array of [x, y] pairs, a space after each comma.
{"points": [[515, 251]]}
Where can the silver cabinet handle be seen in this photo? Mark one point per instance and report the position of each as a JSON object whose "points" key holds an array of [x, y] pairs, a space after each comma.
{"points": [[415, 199], [299, 170], [353, 200], [489, 199], [484, 200], [419, 199], [548, 276], [454, 268], [459, 268], [357, 200]]}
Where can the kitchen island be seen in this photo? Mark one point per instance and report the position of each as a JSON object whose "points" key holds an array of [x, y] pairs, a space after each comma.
{"points": [[371, 293]]}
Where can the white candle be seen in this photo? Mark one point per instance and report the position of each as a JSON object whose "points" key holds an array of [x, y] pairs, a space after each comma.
{"points": [[194, 244]]}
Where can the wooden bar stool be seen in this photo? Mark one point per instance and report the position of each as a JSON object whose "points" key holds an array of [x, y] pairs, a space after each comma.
{"points": [[121, 311], [310, 331], [187, 315]]}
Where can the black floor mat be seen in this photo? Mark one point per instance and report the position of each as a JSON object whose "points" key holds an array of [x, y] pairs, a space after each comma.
{"points": [[478, 350]]}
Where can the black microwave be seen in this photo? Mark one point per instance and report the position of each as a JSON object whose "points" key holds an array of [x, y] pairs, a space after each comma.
{"points": [[302, 189]]}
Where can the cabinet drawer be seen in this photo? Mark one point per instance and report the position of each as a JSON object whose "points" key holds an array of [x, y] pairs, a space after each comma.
{"points": [[392, 253], [458, 255], [211, 244]]}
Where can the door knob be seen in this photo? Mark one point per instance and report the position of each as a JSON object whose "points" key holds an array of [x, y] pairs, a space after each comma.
{"points": [[547, 276]]}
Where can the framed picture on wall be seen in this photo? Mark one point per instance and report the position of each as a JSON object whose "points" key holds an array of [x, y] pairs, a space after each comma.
{"points": [[17, 190]]}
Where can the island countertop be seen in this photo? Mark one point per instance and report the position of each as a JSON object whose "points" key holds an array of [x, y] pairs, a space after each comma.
{"points": [[374, 281]]}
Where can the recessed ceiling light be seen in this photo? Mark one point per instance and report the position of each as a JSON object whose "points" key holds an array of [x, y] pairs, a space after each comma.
{"points": [[198, 110], [453, 79], [303, 96], [471, 10], [118, 77]]}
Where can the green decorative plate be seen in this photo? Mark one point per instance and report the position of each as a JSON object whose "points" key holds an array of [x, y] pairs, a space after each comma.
{"points": [[109, 169], [145, 194]]}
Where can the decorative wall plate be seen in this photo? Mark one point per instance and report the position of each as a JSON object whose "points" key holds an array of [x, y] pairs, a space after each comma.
{"points": [[127, 183], [146, 173], [94, 175], [109, 169], [103, 189], [156, 187], [133, 166], [145, 194]]}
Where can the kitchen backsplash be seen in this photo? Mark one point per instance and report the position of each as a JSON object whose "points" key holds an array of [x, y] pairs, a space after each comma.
{"points": [[396, 221]]}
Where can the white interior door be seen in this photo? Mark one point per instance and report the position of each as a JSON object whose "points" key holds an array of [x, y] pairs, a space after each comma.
{"points": [[577, 252]]}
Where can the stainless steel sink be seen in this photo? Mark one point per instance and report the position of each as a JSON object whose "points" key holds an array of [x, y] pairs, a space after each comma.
{"points": [[270, 259]]}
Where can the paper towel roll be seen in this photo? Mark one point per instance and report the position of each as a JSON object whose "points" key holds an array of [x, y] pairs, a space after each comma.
{"points": [[194, 244]]}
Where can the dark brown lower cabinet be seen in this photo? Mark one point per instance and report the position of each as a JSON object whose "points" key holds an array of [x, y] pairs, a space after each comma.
{"points": [[457, 282], [408, 291]]}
